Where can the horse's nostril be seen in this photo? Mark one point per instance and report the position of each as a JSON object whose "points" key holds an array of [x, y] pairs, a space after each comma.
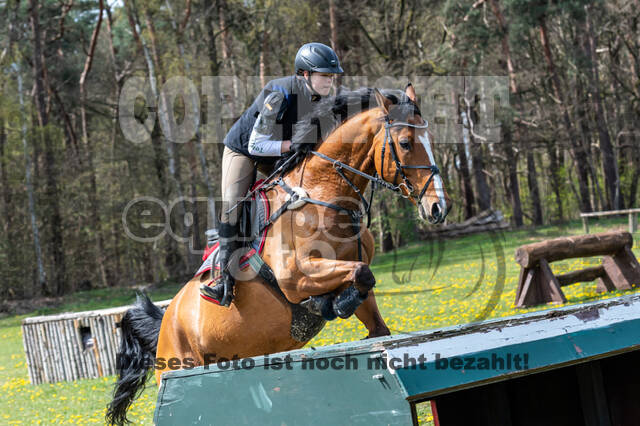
{"points": [[435, 210]]}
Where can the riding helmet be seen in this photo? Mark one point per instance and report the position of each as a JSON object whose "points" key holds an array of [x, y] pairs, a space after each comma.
{"points": [[317, 57]]}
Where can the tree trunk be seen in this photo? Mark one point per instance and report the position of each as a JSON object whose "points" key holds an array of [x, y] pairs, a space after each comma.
{"points": [[583, 122], [93, 191], [466, 185], [633, 190], [512, 166], [263, 56], [511, 154], [173, 260], [556, 182], [178, 226], [465, 181], [482, 188], [198, 138], [117, 86], [42, 277], [50, 169], [8, 231], [579, 153], [4, 181], [483, 191], [385, 237], [215, 70], [609, 165], [333, 28], [227, 51], [532, 180], [607, 243]]}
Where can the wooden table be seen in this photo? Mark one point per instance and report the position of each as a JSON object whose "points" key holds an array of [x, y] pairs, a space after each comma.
{"points": [[633, 218]]}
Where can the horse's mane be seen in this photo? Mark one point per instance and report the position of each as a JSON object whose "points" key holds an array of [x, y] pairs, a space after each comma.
{"points": [[330, 112]]}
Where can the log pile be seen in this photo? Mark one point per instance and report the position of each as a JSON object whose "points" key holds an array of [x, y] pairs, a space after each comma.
{"points": [[488, 220], [620, 269], [71, 346]]}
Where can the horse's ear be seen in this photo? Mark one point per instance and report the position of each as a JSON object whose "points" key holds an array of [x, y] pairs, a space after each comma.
{"points": [[382, 101], [411, 93]]}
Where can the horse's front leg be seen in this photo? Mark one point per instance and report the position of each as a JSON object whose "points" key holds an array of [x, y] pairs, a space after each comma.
{"points": [[329, 287], [369, 314]]}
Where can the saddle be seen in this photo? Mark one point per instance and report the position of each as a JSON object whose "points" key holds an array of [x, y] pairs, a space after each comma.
{"points": [[254, 224]]}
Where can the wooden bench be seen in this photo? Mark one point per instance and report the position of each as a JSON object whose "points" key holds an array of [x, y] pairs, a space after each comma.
{"points": [[633, 218], [620, 269]]}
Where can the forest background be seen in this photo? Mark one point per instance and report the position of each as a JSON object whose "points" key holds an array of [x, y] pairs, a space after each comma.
{"points": [[565, 135]]}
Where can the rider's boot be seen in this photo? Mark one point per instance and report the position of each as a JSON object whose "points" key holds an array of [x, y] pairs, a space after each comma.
{"points": [[222, 292]]}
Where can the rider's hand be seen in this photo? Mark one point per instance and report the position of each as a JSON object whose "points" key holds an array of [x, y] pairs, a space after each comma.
{"points": [[285, 147], [302, 147]]}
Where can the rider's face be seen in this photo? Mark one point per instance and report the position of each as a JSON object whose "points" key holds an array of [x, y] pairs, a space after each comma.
{"points": [[322, 82]]}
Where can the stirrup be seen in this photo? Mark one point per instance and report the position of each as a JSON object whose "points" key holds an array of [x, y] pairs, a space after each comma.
{"points": [[221, 293]]}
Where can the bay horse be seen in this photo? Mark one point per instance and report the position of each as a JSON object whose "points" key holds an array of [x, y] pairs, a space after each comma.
{"points": [[311, 250]]}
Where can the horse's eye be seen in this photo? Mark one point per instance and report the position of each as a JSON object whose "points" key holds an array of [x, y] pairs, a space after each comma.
{"points": [[405, 144]]}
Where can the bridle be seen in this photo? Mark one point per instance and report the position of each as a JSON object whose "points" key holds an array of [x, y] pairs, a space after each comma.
{"points": [[400, 167], [357, 215], [377, 180]]}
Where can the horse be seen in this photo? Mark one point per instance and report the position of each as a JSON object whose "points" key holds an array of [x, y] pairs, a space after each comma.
{"points": [[311, 249]]}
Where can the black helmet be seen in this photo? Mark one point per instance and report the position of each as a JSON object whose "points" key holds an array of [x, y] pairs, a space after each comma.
{"points": [[317, 57]]}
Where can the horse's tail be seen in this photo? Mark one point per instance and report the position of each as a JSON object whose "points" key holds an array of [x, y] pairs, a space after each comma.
{"points": [[140, 327]]}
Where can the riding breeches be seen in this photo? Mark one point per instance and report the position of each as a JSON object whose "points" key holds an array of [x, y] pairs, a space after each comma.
{"points": [[237, 177]]}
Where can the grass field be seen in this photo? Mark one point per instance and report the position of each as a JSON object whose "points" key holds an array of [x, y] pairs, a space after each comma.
{"points": [[476, 279]]}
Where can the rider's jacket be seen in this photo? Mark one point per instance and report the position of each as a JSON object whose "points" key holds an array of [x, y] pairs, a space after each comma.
{"points": [[298, 101]]}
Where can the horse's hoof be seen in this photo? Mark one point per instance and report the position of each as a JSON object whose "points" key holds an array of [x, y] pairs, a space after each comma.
{"points": [[321, 306], [378, 333], [348, 301], [364, 279]]}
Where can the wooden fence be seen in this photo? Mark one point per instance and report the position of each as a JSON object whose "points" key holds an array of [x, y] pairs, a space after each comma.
{"points": [[633, 218], [73, 346]]}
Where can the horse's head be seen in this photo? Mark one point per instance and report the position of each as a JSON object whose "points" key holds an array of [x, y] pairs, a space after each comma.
{"points": [[404, 156]]}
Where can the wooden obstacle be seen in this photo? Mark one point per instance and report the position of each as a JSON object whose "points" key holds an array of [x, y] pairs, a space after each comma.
{"points": [[73, 346], [569, 366], [537, 284]]}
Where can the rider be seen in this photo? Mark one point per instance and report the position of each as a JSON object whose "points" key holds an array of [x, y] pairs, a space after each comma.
{"points": [[261, 135]]}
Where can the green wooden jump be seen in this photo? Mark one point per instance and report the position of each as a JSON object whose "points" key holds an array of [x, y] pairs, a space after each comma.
{"points": [[376, 382]]}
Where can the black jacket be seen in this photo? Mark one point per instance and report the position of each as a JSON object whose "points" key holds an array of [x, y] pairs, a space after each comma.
{"points": [[298, 101]]}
